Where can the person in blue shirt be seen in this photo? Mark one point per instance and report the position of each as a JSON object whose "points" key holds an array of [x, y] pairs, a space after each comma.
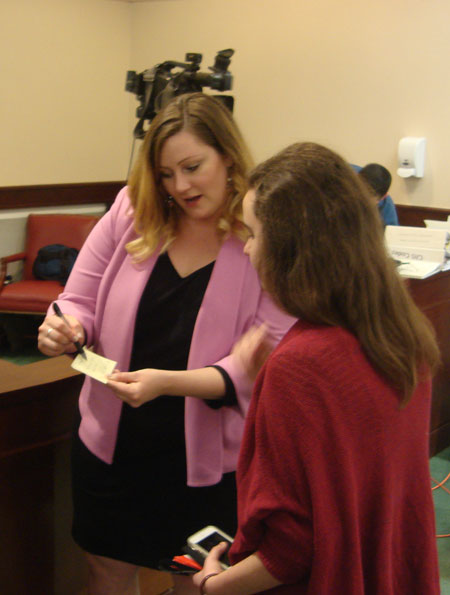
{"points": [[379, 180]]}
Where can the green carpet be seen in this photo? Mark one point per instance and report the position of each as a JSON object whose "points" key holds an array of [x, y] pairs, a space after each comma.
{"points": [[440, 468]]}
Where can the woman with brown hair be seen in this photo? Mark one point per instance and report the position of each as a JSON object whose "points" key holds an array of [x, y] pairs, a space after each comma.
{"points": [[333, 479], [162, 286]]}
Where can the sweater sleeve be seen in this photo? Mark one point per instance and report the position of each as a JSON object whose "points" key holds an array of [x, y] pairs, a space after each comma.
{"points": [[275, 516], [319, 494]]}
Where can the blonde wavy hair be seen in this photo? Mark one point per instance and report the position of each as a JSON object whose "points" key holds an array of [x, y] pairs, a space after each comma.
{"points": [[212, 123]]}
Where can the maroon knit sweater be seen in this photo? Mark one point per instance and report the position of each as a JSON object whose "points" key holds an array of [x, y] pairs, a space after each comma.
{"points": [[333, 477]]}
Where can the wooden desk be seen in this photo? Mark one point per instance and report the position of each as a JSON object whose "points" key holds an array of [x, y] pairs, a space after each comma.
{"points": [[37, 554], [432, 295], [37, 406]]}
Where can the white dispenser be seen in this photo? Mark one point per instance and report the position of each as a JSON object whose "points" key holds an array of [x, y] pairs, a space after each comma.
{"points": [[411, 156]]}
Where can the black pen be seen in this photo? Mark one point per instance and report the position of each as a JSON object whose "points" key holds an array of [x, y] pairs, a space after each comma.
{"points": [[58, 312]]}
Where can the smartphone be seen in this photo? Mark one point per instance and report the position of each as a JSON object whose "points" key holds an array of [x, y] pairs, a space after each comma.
{"points": [[205, 539]]}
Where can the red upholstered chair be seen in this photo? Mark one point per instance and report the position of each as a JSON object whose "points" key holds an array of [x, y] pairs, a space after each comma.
{"points": [[30, 295]]}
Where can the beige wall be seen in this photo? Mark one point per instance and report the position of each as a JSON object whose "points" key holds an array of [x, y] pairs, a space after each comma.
{"points": [[63, 108], [355, 75]]}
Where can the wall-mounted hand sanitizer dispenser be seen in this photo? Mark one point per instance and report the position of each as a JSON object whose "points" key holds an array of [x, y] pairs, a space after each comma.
{"points": [[411, 157]]}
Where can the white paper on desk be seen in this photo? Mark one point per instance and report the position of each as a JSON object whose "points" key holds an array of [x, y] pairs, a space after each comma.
{"points": [[433, 224], [416, 237], [95, 366], [419, 269], [412, 254]]}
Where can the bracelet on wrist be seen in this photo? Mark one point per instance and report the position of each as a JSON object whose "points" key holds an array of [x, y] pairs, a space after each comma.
{"points": [[204, 579]]}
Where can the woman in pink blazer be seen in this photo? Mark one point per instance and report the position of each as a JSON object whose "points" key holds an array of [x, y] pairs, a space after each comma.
{"points": [[163, 288]]}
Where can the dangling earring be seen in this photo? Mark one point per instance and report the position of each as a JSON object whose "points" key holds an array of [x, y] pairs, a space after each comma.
{"points": [[168, 201]]}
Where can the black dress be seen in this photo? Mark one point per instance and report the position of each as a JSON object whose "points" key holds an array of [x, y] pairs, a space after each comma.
{"points": [[139, 509]]}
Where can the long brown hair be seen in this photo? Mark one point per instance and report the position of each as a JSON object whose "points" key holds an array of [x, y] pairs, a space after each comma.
{"points": [[323, 259], [212, 123]]}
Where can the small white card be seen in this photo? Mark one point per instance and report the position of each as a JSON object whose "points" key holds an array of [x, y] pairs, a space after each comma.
{"points": [[95, 366]]}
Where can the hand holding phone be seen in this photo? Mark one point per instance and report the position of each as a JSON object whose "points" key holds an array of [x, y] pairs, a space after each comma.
{"points": [[205, 539]]}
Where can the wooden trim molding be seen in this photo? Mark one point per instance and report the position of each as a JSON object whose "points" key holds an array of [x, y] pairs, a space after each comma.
{"points": [[414, 216], [52, 195]]}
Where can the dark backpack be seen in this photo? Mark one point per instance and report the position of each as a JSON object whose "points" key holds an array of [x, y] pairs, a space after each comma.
{"points": [[54, 263]]}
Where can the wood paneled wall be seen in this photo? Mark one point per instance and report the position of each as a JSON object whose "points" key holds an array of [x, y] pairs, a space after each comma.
{"points": [[52, 195], [414, 216]]}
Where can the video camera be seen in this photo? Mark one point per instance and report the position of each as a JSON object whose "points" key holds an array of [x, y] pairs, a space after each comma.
{"points": [[156, 86]]}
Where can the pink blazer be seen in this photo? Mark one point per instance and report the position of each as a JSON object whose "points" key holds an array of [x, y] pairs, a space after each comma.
{"points": [[103, 293]]}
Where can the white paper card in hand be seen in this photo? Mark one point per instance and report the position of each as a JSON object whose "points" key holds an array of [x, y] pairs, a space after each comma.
{"points": [[95, 366]]}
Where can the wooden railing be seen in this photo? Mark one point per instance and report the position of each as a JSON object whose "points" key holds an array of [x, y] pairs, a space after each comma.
{"points": [[414, 216], [51, 195]]}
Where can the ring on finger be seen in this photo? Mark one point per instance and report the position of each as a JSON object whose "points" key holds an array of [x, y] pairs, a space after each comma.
{"points": [[49, 330]]}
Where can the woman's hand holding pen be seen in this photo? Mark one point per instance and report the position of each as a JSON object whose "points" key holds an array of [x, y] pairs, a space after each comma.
{"points": [[56, 338]]}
